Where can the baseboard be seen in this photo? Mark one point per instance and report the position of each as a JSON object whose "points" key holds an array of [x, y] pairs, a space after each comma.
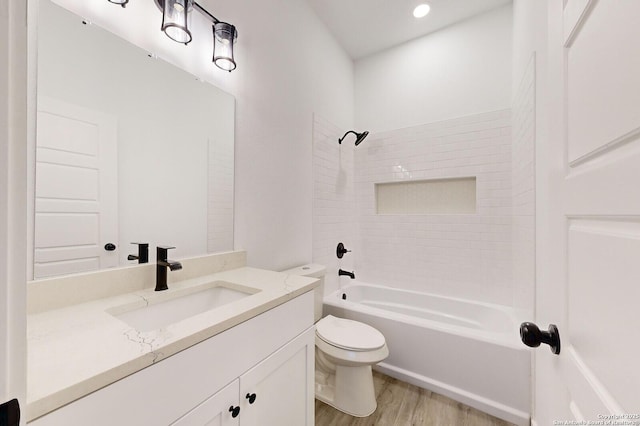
{"points": [[478, 402]]}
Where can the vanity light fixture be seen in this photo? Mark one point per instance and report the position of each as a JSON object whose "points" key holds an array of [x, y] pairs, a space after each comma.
{"points": [[224, 36], [176, 17]]}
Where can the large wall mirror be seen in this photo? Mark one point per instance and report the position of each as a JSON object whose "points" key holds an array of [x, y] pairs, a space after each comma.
{"points": [[130, 149]]}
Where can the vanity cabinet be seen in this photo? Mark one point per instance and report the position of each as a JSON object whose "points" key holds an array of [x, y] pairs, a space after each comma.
{"points": [[283, 387], [277, 391], [270, 355], [215, 411]]}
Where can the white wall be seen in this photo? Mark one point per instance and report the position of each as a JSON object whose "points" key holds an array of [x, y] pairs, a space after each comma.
{"points": [[523, 188], [460, 70], [460, 255], [529, 54], [288, 67], [526, 17], [334, 201], [438, 107]]}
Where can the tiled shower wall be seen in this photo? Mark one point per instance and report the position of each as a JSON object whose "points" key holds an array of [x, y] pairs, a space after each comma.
{"points": [[333, 199], [486, 255], [462, 255], [524, 190]]}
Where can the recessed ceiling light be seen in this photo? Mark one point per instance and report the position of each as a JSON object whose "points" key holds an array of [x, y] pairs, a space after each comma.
{"points": [[421, 10]]}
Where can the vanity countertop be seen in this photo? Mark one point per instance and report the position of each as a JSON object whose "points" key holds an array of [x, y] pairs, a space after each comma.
{"points": [[78, 349]]}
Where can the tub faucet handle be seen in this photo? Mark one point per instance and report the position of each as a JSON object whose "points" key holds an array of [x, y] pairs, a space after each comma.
{"points": [[341, 250]]}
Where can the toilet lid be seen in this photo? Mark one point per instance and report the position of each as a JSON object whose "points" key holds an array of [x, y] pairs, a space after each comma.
{"points": [[348, 334]]}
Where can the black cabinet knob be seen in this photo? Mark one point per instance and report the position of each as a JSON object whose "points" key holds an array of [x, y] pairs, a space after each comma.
{"points": [[234, 411], [109, 247], [251, 397], [532, 336]]}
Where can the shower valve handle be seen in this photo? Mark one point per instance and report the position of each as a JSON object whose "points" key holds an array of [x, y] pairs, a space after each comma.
{"points": [[340, 250], [532, 336]]}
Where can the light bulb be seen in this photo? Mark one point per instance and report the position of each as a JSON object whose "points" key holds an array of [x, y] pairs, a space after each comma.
{"points": [[421, 10]]}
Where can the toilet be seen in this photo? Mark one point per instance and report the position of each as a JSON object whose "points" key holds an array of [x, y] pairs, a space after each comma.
{"points": [[345, 352]]}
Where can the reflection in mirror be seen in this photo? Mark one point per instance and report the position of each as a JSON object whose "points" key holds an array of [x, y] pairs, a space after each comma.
{"points": [[130, 149]]}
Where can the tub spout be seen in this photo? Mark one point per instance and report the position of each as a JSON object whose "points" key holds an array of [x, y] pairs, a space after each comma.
{"points": [[351, 275]]}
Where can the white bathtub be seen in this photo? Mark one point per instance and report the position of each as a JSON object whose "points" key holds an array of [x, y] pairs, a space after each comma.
{"points": [[468, 351]]}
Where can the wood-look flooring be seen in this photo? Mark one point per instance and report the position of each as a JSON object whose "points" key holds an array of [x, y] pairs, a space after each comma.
{"points": [[402, 404]]}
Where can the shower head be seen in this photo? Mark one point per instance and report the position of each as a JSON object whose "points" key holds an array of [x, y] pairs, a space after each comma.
{"points": [[359, 136]]}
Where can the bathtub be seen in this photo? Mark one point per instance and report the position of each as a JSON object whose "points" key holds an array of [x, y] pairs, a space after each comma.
{"points": [[468, 351]]}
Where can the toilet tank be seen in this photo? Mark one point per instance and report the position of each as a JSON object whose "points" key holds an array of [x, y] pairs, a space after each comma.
{"points": [[312, 270]]}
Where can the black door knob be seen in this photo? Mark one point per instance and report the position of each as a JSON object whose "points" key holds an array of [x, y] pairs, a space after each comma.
{"points": [[234, 411], [251, 397], [109, 247], [532, 336], [10, 413]]}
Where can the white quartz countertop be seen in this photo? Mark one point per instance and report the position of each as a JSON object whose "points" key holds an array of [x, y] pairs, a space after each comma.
{"points": [[78, 349]]}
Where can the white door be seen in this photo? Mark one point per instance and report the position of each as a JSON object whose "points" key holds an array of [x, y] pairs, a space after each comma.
{"points": [[280, 390], [588, 215], [76, 190]]}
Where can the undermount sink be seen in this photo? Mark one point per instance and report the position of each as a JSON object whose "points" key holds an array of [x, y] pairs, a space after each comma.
{"points": [[165, 309]]}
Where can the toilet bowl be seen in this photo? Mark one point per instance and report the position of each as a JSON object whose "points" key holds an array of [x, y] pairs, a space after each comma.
{"points": [[345, 352]]}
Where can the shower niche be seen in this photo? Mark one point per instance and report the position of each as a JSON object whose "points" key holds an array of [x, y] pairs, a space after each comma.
{"points": [[431, 196]]}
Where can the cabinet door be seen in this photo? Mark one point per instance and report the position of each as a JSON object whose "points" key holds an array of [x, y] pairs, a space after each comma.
{"points": [[281, 386], [215, 411]]}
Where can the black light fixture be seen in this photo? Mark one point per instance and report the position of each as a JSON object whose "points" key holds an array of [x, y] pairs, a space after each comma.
{"points": [[224, 36], [359, 136], [176, 17], [122, 3]]}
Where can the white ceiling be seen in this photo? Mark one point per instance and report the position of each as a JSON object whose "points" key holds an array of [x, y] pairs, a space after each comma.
{"points": [[364, 27]]}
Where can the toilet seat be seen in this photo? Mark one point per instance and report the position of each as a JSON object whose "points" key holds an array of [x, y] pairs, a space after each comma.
{"points": [[348, 334]]}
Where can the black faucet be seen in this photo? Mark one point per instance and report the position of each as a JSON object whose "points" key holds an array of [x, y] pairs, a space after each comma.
{"points": [[162, 263], [143, 253], [351, 275]]}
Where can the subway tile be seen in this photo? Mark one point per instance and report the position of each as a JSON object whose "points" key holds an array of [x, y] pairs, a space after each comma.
{"points": [[458, 251]]}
